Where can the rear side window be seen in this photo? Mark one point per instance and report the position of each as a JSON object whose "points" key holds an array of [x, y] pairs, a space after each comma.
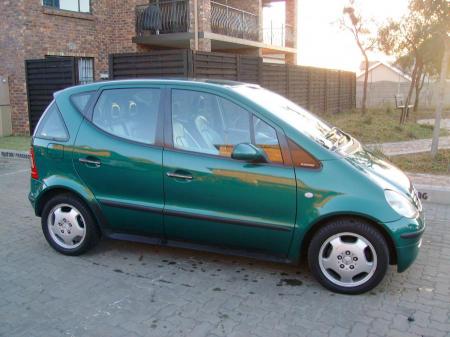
{"points": [[52, 125], [129, 113], [81, 100]]}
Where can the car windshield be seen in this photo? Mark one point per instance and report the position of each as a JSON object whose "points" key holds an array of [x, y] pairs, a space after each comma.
{"points": [[304, 121]]}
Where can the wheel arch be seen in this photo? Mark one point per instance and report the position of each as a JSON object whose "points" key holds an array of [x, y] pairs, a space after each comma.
{"points": [[326, 219], [52, 191]]}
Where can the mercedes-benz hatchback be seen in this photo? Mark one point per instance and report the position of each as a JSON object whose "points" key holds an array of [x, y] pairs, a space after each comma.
{"points": [[215, 164]]}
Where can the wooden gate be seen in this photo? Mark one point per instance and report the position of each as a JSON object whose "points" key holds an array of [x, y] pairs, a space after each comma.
{"points": [[43, 78]]}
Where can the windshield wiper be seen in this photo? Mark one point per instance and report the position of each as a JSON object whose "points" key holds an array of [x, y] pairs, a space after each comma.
{"points": [[321, 142], [333, 131]]}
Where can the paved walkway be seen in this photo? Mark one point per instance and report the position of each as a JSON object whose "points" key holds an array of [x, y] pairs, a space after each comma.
{"points": [[445, 122], [411, 146], [123, 289]]}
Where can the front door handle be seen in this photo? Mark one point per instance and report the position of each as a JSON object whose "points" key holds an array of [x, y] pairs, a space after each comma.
{"points": [[91, 162], [179, 175]]}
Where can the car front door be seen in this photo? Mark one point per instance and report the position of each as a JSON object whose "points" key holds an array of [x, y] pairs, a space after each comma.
{"points": [[118, 156], [213, 199]]}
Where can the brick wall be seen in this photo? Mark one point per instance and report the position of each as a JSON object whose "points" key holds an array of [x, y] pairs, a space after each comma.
{"points": [[36, 31]]}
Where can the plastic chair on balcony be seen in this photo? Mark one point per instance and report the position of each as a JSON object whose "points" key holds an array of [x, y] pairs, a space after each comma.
{"points": [[151, 19]]}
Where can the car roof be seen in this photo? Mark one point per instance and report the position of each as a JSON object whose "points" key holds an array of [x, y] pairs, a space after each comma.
{"points": [[170, 81]]}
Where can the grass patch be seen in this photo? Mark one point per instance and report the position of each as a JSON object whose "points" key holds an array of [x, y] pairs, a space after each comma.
{"points": [[380, 126], [19, 143], [423, 163]]}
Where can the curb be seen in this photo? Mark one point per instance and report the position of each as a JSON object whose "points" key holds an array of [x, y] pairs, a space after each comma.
{"points": [[433, 194], [13, 154]]}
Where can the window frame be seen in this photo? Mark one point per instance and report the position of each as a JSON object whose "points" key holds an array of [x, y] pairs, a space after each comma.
{"points": [[77, 72], [41, 120], [168, 129], [69, 10], [159, 136]]}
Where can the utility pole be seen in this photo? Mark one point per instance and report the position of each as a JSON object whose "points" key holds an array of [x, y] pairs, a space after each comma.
{"points": [[440, 98]]}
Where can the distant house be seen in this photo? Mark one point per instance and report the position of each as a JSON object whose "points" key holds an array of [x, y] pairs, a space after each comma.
{"points": [[386, 81], [381, 71]]}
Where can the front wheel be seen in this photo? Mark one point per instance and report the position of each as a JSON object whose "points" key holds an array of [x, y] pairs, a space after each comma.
{"points": [[348, 256]]}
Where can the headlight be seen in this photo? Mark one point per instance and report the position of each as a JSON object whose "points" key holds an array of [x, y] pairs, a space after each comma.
{"points": [[401, 204]]}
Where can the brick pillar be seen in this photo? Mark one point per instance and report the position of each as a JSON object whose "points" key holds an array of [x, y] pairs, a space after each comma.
{"points": [[291, 58], [291, 22], [204, 23]]}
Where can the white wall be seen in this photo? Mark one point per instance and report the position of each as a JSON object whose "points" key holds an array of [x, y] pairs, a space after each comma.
{"points": [[383, 73], [381, 94]]}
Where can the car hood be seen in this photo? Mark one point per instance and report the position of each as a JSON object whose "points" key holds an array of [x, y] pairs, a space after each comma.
{"points": [[383, 173]]}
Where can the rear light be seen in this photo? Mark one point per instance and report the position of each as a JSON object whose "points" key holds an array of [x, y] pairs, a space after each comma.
{"points": [[34, 172]]}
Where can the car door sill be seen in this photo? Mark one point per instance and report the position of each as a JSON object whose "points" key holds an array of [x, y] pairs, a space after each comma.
{"points": [[158, 241]]}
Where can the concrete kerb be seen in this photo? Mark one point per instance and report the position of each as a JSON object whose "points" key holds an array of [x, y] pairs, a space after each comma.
{"points": [[13, 154], [434, 194]]}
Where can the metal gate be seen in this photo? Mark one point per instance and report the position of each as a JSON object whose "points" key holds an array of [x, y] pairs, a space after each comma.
{"points": [[44, 77]]}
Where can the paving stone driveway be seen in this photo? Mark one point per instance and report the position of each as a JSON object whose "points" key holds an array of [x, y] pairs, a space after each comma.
{"points": [[129, 289]]}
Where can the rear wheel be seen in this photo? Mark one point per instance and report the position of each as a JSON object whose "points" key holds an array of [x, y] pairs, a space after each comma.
{"points": [[348, 256], [68, 225]]}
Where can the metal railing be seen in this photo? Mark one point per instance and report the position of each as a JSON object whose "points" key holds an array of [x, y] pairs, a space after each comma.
{"points": [[172, 16], [279, 35], [162, 17], [227, 20]]}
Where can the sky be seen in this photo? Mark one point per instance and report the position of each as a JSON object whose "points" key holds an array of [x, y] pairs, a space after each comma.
{"points": [[322, 43]]}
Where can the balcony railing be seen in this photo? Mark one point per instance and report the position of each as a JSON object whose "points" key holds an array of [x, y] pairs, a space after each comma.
{"points": [[279, 35], [227, 20], [162, 17], [172, 16]]}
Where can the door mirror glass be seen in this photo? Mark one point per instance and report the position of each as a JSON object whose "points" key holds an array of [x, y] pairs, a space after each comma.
{"points": [[249, 152]]}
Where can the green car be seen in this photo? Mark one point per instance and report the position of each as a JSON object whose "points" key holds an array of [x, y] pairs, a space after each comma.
{"points": [[223, 166]]}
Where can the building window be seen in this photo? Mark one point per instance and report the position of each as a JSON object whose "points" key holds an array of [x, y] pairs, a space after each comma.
{"points": [[85, 70], [82, 6]]}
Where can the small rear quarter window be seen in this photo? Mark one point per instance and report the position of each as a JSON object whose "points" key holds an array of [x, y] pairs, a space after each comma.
{"points": [[81, 100], [52, 125]]}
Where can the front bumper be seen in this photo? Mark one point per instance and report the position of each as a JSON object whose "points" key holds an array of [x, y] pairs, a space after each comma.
{"points": [[406, 255], [407, 236]]}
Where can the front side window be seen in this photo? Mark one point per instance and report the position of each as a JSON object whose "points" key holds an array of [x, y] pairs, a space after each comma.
{"points": [[206, 123], [52, 125], [82, 6], [128, 113], [304, 121], [266, 139]]}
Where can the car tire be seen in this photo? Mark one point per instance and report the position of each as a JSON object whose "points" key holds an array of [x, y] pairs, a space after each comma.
{"points": [[68, 225], [348, 256]]}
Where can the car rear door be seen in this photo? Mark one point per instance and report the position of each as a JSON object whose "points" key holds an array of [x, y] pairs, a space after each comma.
{"points": [[213, 199], [118, 155]]}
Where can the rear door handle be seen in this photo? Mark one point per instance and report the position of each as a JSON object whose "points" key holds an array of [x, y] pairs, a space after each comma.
{"points": [[179, 175], [92, 162]]}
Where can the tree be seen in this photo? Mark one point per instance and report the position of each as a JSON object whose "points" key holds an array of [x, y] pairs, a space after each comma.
{"points": [[431, 52], [415, 35], [353, 22]]}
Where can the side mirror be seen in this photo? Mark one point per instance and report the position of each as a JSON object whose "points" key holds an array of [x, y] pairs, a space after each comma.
{"points": [[249, 152]]}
